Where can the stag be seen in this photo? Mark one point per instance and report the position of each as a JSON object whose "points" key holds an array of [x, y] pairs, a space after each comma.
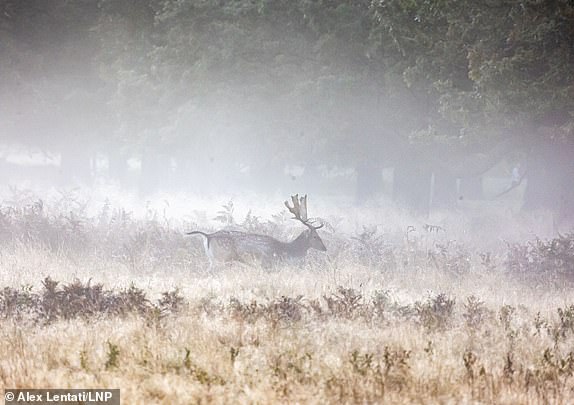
{"points": [[227, 246]]}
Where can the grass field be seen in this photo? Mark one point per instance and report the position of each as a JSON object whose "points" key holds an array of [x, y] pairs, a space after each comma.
{"points": [[404, 317]]}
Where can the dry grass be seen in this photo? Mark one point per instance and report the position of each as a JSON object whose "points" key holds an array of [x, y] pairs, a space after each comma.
{"points": [[419, 321]]}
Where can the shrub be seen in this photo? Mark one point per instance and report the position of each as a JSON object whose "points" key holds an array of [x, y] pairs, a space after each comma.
{"points": [[543, 260], [81, 300]]}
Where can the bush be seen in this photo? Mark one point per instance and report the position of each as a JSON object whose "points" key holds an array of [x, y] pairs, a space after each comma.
{"points": [[81, 300], [539, 260]]}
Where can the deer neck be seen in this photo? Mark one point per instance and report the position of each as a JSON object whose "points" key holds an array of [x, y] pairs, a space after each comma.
{"points": [[300, 245]]}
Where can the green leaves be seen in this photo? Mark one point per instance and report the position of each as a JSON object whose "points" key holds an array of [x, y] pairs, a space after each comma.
{"points": [[176, 72]]}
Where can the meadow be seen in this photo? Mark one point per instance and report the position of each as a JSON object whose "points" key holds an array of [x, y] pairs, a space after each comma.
{"points": [[391, 314]]}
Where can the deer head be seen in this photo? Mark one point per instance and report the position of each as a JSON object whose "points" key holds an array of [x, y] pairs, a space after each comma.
{"points": [[299, 211]]}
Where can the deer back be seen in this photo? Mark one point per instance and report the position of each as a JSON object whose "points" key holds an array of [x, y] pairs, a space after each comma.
{"points": [[246, 247]]}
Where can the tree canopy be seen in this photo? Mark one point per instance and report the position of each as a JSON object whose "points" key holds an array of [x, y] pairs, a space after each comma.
{"points": [[324, 80]]}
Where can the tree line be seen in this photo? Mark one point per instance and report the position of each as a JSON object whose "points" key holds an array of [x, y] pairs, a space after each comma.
{"points": [[443, 88]]}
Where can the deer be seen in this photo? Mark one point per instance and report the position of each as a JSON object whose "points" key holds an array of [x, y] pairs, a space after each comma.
{"points": [[229, 246]]}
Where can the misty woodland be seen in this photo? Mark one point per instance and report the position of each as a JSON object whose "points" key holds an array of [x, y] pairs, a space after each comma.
{"points": [[288, 201]]}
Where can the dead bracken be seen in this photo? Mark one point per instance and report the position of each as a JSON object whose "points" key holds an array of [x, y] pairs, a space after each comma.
{"points": [[373, 321]]}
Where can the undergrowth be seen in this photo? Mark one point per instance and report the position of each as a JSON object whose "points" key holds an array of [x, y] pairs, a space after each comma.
{"points": [[347, 326]]}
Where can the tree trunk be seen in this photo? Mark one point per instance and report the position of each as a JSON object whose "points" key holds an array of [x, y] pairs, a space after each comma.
{"points": [[75, 166], [550, 180], [269, 177], [186, 175], [118, 167], [3, 170], [471, 188], [369, 181], [154, 174], [543, 181], [444, 191], [411, 188], [311, 179]]}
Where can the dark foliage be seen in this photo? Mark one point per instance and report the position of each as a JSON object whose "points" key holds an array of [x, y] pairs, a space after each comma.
{"points": [[58, 301], [547, 261]]}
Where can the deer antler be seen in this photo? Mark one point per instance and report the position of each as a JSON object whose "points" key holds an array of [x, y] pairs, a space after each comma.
{"points": [[298, 203], [299, 210]]}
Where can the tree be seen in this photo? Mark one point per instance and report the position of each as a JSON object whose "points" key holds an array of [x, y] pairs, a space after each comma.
{"points": [[489, 72], [427, 87], [50, 89]]}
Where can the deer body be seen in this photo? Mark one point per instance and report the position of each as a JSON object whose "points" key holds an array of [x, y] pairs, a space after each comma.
{"points": [[227, 246]]}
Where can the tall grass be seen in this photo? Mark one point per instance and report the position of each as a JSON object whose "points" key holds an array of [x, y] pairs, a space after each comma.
{"points": [[399, 316]]}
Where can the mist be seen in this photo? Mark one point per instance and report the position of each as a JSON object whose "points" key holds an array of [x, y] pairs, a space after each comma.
{"points": [[288, 201], [166, 100]]}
